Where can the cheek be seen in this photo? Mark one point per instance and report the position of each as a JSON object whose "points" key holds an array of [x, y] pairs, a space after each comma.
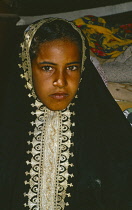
{"points": [[75, 81], [39, 80], [40, 85]]}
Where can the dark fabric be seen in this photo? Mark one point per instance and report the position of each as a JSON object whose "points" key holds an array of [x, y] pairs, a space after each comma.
{"points": [[104, 139], [102, 148]]}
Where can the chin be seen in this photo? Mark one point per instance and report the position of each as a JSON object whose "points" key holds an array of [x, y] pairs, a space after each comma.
{"points": [[57, 108]]}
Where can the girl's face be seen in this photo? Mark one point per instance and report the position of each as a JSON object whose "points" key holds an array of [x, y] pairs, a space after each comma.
{"points": [[56, 73]]}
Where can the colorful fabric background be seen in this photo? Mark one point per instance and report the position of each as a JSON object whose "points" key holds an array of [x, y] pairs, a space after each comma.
{"points": [[105, 40]]}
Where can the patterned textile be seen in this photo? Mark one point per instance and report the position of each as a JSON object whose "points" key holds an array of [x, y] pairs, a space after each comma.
{"points": [[105, 40]]}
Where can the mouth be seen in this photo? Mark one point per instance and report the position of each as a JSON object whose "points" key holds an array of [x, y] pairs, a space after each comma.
{"points": [[59, 96]]}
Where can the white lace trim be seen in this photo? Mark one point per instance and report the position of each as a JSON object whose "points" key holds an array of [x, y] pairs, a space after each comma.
{"points": [[50, 160]]}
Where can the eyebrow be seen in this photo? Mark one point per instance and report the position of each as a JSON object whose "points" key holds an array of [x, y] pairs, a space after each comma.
{"points": [[45, 62], [76, 62]]}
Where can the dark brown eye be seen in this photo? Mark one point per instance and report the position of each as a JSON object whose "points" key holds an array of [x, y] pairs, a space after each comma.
{"points": [[47, 68], [73, 68]]}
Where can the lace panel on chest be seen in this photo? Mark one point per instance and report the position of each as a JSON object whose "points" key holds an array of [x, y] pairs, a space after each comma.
{"points": [[50, 160]]}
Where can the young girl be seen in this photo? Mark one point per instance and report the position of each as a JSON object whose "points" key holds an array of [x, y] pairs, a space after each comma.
{"points": [[77, 153]]}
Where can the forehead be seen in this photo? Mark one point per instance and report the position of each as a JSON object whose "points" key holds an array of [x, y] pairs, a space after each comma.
{"points": [[60, 48]]}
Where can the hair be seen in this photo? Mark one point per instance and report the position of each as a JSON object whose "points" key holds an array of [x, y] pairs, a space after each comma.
{"points": [[54, 30]]}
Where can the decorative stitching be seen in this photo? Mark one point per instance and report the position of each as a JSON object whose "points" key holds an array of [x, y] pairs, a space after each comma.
{"points": [[50, 160]]}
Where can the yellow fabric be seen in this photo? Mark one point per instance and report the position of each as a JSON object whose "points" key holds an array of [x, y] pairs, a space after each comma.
{"points": [[104, 40]]}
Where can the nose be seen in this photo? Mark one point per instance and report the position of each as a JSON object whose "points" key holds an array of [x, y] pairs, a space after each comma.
{"points": [[60, 79]]}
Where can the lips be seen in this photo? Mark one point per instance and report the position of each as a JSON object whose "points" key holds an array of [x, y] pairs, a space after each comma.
{"points": [[59, 96]]}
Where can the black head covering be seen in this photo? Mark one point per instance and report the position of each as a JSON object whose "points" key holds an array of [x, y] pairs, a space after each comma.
{"points": [[102, 146]]}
